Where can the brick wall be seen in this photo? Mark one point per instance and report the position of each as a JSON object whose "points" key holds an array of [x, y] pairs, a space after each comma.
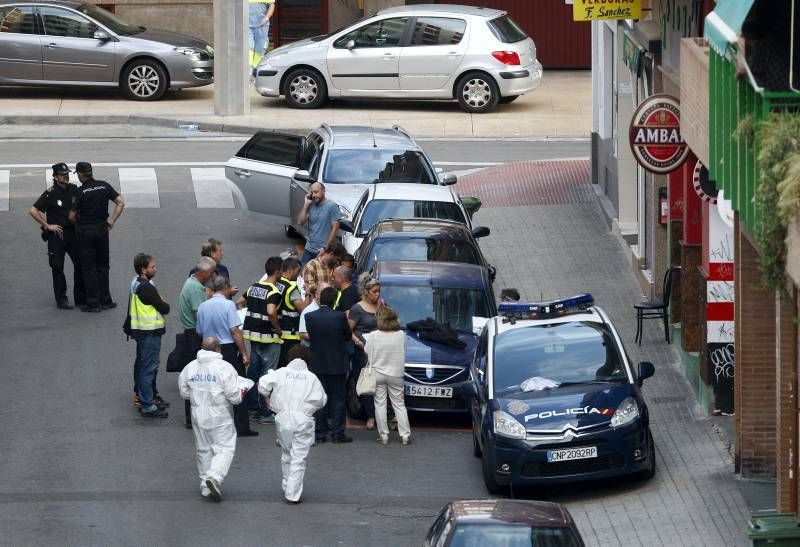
{"points": [[786, 413], [691, 307], [755, 364], [694, 96]]}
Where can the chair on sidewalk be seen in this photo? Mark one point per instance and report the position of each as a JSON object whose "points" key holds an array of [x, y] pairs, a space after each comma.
{"points": [[655, 309]]}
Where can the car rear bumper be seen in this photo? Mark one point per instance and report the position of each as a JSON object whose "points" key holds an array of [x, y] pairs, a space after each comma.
{"points": [[527, 464], [518, 81]]}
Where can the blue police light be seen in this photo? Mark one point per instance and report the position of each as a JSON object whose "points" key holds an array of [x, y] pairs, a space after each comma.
{"points": [[542, 310]]}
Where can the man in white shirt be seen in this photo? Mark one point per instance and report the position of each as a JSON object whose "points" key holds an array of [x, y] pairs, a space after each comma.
{"points": [[302, 329]]}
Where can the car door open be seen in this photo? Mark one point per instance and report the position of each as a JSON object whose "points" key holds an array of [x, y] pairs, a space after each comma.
{"points": [[260, 174]]}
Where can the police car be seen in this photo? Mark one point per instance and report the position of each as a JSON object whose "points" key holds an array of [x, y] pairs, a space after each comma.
{"points": [[554, 397]]}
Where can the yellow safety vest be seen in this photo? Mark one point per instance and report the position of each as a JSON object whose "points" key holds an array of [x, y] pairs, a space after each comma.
{"points": [[289, 313], [144, 317]]}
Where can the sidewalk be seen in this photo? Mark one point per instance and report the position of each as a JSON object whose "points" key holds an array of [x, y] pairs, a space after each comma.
{"points": [[562, 107]]}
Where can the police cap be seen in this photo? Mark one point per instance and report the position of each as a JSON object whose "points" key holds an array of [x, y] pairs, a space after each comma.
{"points": [[60, 169], [83, 167]]}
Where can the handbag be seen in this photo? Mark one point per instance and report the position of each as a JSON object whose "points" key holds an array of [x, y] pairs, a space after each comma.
{"points": [[179, 357], [366, 381]]}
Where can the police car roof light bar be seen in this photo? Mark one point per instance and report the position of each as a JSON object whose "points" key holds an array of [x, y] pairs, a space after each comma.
{"points": [[542, 310]]}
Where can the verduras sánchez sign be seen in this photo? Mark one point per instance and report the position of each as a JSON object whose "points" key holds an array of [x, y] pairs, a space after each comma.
{"points": [[593, 10], [655, 134]]}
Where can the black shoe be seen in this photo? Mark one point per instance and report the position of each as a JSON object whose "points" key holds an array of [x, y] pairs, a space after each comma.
{"points": [[64, 305], [249, 433], [342, 439], [161, 402], [320, 440], [108, 306], [157, 413], [91, 309]]}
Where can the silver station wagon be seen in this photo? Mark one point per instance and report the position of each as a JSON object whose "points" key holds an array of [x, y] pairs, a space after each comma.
{"points": [[73, 43], [478, 56]]}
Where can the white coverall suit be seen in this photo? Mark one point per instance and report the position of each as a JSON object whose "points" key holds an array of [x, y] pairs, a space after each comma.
{"points": [[295, 394], [212, 385]]}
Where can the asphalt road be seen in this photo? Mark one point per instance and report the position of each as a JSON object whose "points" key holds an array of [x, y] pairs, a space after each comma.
{"points": [[78, 464]]}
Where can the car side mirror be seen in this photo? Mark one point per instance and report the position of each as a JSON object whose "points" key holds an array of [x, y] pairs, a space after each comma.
{"points": [[350, 44], [346, 225], [449, 179], [302, 175], [101, 35], [646, 370], [469, 390], [492, 273], [480, 231]]}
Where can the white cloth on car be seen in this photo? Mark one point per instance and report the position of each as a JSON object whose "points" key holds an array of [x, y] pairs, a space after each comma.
{"points": [[295, 394], [212, 386]]}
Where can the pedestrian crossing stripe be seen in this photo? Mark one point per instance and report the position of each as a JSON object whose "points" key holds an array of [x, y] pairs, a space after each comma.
{"points": [[5, 189], [139, 187], [211, 189]]}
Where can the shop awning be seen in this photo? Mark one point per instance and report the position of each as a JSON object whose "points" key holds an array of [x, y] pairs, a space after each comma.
{"points": [[724, 23]]}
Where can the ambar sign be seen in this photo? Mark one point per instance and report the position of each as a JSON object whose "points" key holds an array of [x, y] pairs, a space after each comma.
{"points": [[655, 135]]}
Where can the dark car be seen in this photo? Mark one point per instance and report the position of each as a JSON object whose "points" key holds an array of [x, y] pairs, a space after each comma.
{"points": [[422, 240], [511, 523], [452, 295], [556, 399]]}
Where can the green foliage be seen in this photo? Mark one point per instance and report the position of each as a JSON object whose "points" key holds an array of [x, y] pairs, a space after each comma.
{"points": [[778, 196]]}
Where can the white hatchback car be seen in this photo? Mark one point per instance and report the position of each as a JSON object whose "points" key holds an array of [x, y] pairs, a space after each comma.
{"points": [[478, 56], [402, 200]]}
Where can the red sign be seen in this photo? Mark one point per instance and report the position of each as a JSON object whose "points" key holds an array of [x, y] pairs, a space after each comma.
{"points": [[655, 135]]}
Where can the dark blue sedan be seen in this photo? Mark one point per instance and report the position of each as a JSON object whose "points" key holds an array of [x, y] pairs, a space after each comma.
{"points": [[555, 399]]}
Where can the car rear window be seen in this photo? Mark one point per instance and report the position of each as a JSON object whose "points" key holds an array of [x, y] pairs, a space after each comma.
{"points": [[432, 249], [506, 29], [382, 209]]}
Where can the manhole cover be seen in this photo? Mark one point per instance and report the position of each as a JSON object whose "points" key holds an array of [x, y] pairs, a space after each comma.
{"points": [[406, 512]]}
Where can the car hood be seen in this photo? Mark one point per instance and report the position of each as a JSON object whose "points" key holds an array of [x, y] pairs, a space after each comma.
{"points": [[578, 406], [427, 352], [172, 38], [346, 195], [300, 44]]}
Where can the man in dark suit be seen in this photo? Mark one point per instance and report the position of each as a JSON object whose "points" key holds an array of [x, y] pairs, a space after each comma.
{"points": [[329, 332]]}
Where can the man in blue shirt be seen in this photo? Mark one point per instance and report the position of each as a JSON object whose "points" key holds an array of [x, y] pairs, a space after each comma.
{"points": [[218, 317], [322, 216]]}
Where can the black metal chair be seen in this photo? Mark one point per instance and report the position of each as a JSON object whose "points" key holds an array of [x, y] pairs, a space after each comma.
{"points": [[655, 309]]}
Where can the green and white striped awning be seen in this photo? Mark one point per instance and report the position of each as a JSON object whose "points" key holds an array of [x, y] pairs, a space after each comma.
{"points": [[725, 22]]}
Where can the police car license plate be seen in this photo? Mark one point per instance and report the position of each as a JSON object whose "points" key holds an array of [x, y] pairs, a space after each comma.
{"points": [[572, 454], [415, 390]]}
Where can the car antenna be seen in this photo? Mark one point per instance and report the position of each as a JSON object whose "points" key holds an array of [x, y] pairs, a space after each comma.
{"points": [[372, 132]]}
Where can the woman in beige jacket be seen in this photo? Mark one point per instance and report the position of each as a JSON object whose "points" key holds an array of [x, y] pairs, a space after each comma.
{"points": [[386, 353]]}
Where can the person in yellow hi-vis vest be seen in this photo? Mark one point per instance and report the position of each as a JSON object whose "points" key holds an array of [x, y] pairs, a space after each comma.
{"points": [[260, 15], [145, 324], [262, 327], [292, 306]]}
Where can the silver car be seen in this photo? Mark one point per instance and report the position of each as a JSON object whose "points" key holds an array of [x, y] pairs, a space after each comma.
{"points": [[478, 56], [270, 175], [72, 43]]}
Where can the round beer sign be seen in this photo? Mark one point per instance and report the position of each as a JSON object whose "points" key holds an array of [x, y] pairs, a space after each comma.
{"points": [[655, 135]]}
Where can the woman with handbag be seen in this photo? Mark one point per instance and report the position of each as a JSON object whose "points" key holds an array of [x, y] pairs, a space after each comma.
{"points": [[386, 357], [362, 321]]}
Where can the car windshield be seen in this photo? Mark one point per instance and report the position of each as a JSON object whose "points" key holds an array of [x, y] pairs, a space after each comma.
{"points": [[382, 209], [548, 355], [455, 307], [512, 535], [423, 249], [373, 165], [107, 19]]}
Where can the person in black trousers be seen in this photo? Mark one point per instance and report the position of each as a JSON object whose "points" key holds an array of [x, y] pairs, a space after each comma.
{"points": [[93, 224], [59, 233], [329, 332]]}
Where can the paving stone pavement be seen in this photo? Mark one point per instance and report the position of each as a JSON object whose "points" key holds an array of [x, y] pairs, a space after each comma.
{"points": [[553, 250]]}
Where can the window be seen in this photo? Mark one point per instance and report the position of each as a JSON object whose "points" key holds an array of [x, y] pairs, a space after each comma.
{"points": [[59, 22], [437, 31], [371, 165], [17, 20], [381, 209], [383, 33], [431, 249], [272, 148], [454, 307], [512, 535], [106, 17], [507, 30]]}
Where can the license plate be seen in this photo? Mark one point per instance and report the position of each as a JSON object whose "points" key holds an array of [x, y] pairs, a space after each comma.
{"points": [[415, 390], [572, 454]]}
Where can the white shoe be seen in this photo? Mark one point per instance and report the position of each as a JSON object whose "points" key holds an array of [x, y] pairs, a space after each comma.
{"points": [[383, 439], [205, 492]]}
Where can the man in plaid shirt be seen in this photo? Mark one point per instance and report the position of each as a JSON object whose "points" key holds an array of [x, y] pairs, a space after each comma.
{"points": [[320, 269]]}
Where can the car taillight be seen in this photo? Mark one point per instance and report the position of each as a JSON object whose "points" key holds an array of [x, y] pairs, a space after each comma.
{"points": [[506, 57]]}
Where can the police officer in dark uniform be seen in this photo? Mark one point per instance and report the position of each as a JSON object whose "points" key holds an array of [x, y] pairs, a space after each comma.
{"points": [[59, 233], [93, 225]]}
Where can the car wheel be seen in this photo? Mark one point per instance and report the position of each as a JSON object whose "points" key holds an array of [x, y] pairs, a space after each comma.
{"points": [[305, 88], [476, 448], [650, 472], [291, 232], [144, 80], [489, 479], [477, 92], [508, 99]]}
